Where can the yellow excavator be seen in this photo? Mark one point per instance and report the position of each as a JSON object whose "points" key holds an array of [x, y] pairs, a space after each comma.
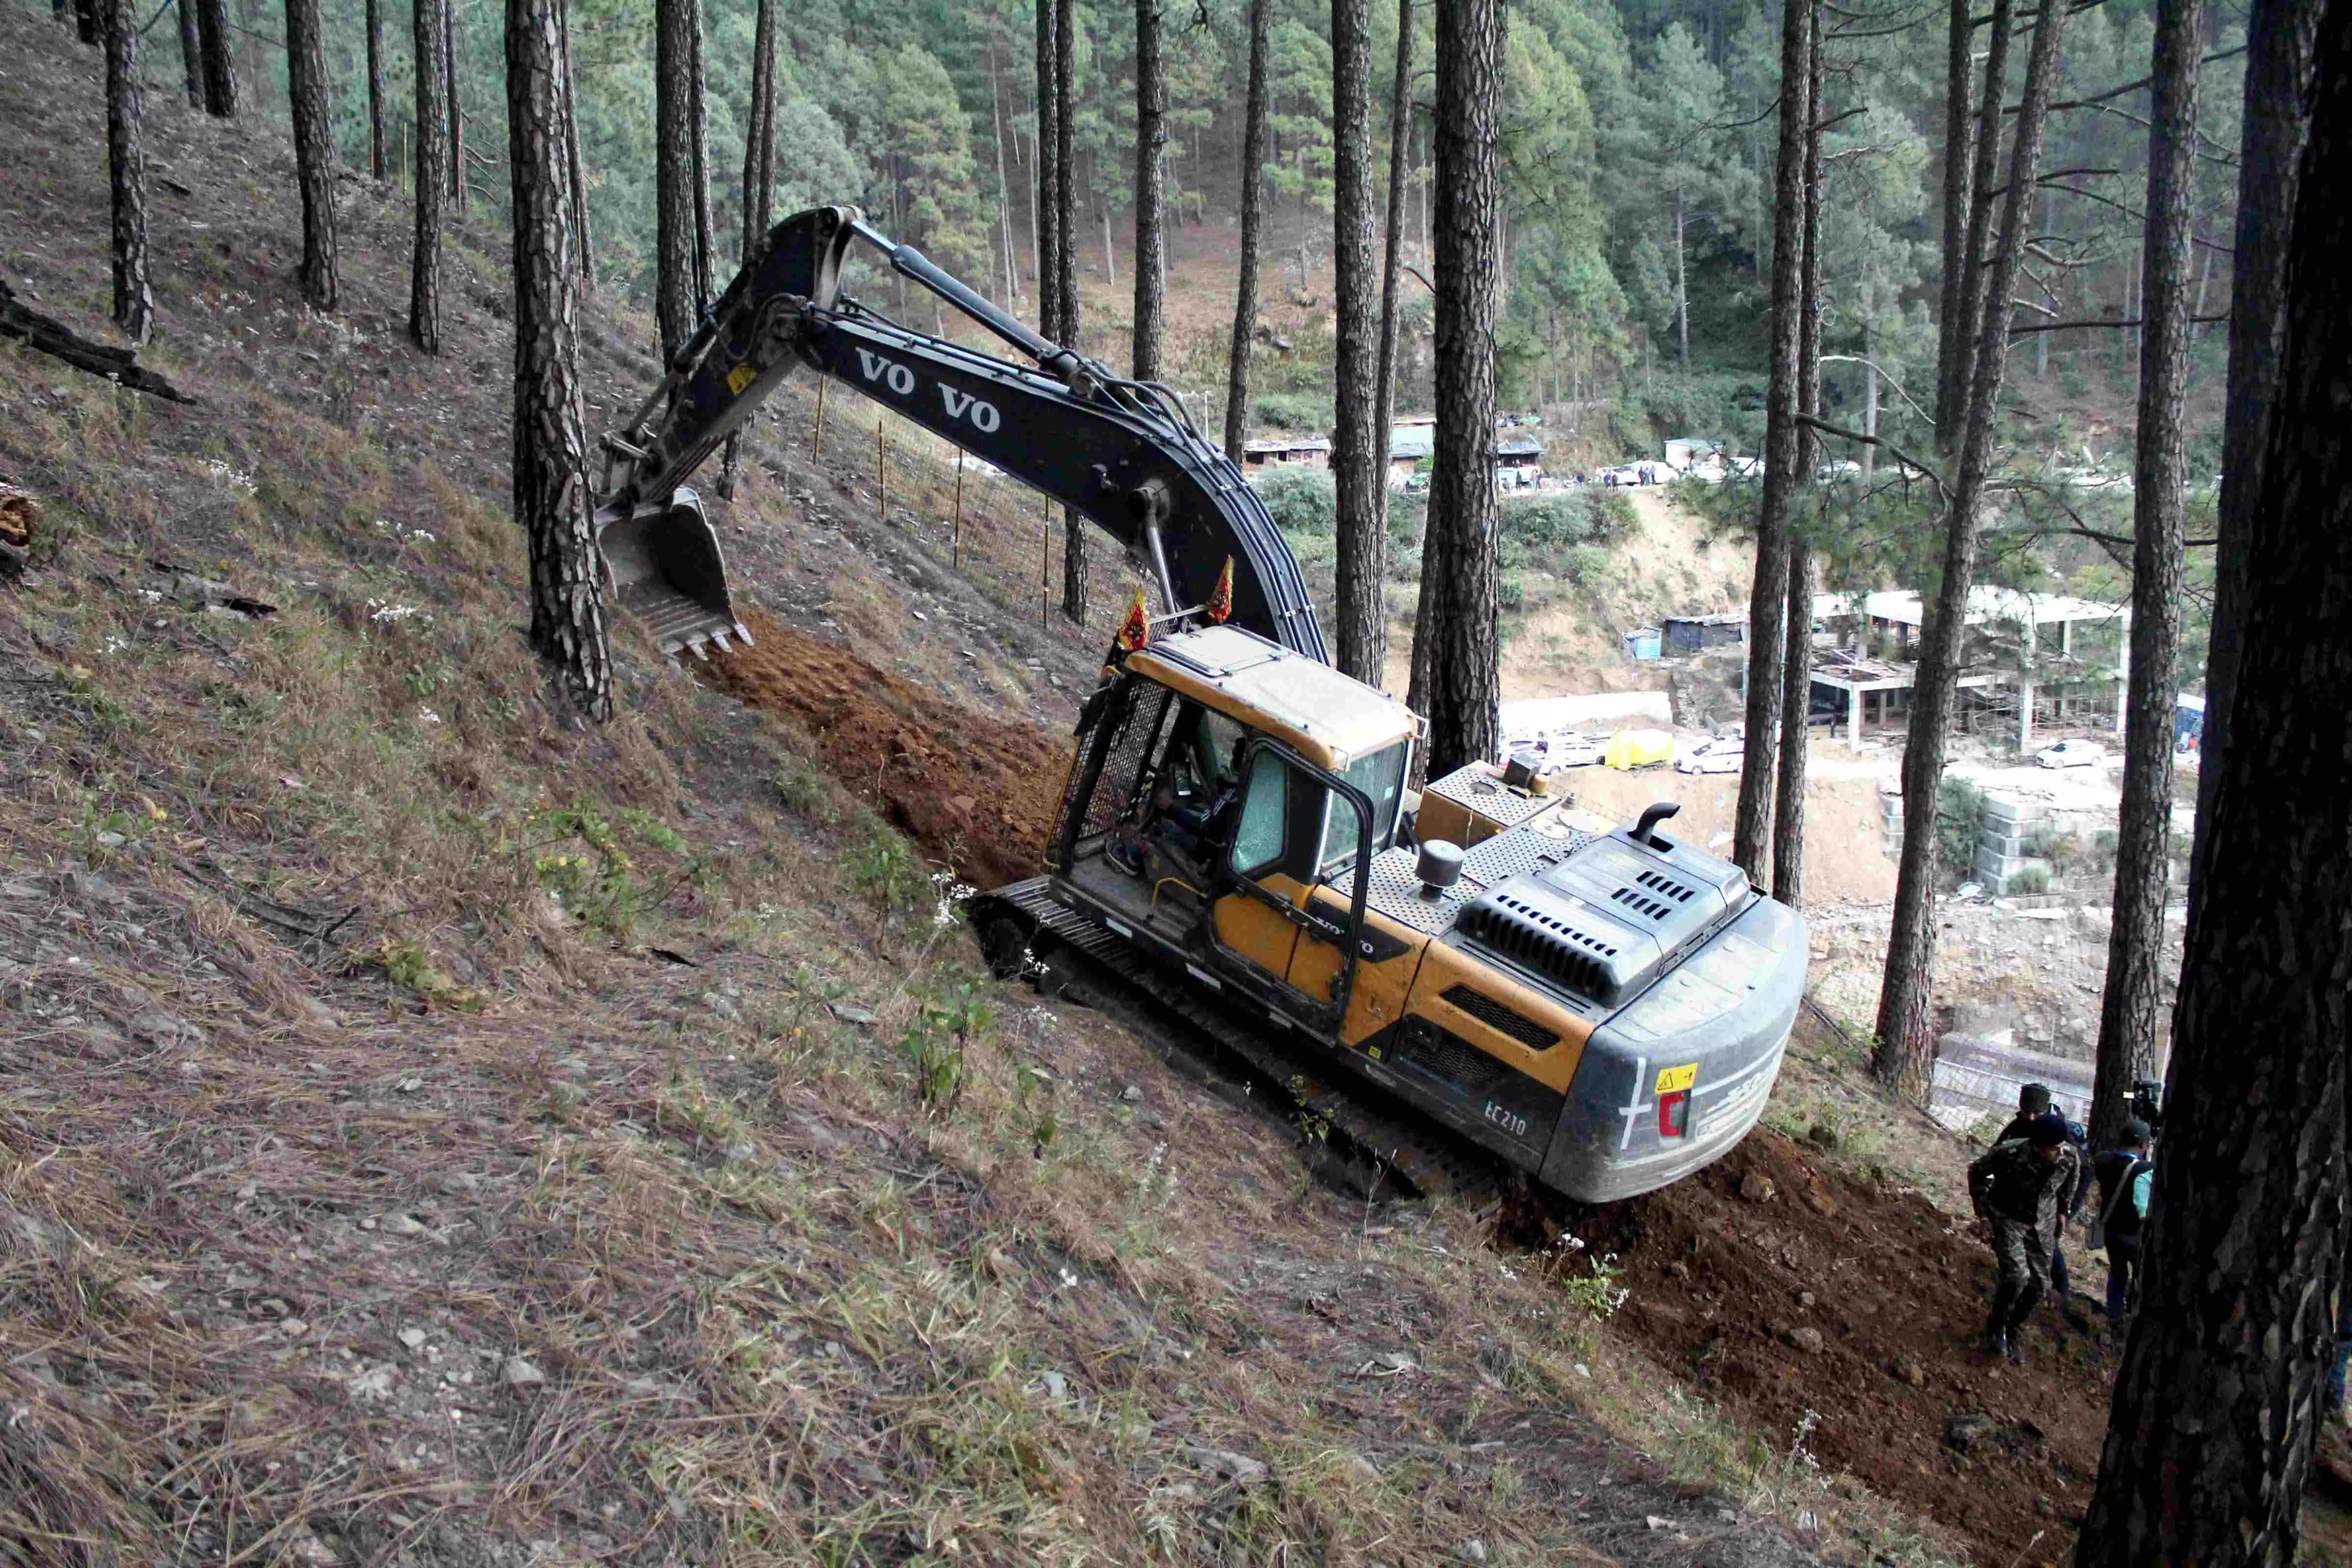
{"points": [[1604, 1011]]}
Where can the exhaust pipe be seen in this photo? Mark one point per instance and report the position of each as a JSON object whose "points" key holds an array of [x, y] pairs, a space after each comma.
{"points": [[662, 561]]}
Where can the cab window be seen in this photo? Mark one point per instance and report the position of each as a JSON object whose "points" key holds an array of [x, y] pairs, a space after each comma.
{"points": [[1263, 831], [1381, 775]]}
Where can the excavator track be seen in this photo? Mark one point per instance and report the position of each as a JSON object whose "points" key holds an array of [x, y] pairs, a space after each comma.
{"points": [[1068, 954]]}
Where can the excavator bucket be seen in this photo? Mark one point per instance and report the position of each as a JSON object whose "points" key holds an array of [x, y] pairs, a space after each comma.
{"points": [[664, 563]]}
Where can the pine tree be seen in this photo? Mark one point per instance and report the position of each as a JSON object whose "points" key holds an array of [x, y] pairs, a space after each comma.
{"points": [[1768, 607], [2219, 1403], [1253, 138], [220, 66], [1047, 201], [2279, 35], [192, 51], [314, 150], [1463, 511], [1797, 678], [1905, 1051], [551, 454], [1150, 189], [1065, 201], [698, 117], [134, 307], [1358, 447], [674, 273], [2127, 1014], [373, 19], [576, 192], [452, 50], [432, 177]]}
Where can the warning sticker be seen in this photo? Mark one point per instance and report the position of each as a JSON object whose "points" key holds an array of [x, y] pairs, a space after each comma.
{"points": [[1671, 1079], [741, 378]]}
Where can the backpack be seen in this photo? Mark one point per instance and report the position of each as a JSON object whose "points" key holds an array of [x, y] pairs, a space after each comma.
{"points": [[2096, 1236]]}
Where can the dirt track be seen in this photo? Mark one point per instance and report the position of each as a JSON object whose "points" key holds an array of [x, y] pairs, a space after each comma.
{"points": [[1726, 1280], [977, 792]]}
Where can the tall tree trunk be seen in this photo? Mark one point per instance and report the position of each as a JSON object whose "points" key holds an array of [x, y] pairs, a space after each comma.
{"points": [[314, 150], [2279, 42], [1959, 147], [698, 119], [220, 63], [2126, 1049], [1905, 1049], [1797, 671], [450, 50], [1253, 135], [126, 172], [576, 189], [1870, 403], [1768, 602], [1005, 235], [550, 448], [1464, 679], [1356, 434], [1150, 189], [1974, 306], [1682, 288], [432, 178], [2218, 1404], [1392, 256], [1391, 271], [673, 297], [1110, 251], [759, 188], [377, 150], [1045, 198], [192, 51], [1065, 201]]}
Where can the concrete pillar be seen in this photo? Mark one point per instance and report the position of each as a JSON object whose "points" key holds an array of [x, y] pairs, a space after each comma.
{"points": [[2025, 716], [1853, 714]]}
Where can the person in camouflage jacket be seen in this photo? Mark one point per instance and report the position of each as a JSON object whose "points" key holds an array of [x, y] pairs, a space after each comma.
{"points": [[2020, 1188]]}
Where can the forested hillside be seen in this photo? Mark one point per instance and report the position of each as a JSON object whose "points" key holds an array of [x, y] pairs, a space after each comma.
{"points": [[1638, 148]]}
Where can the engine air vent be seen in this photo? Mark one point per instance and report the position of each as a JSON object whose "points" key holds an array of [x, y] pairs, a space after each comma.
{"points": [[1525, 934], [1501, 1019]]}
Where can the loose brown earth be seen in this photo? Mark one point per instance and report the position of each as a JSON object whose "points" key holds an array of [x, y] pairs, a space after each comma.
{"points": [[1729, 1270], [976, 791]]}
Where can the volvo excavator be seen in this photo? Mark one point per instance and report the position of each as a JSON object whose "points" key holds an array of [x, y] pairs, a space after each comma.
{"points": [[1603, 1012]]}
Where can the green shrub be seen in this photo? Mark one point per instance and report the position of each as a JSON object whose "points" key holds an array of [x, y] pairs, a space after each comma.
{"points": [[1304, 501], [936, 1040], [1292, 410], [1960, 821], [885, 869], [1585, 565], [2032, 879]]}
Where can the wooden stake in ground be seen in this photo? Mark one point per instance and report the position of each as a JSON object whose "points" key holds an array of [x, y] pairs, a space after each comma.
{"points": [[550, 464], [881, 473], [817, 440], [958, 511]]}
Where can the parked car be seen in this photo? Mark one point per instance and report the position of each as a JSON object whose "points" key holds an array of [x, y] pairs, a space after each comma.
{"points": [[2071, 754], [1719, 756], [1574, 749]]}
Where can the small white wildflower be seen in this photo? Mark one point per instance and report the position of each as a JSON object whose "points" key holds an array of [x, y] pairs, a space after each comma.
{"points": [[152, 595], [116, 644], [385, 611], [1069, 1280], [421, 537], [427, 716]]}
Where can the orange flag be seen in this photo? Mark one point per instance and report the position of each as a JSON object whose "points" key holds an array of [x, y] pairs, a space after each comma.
{"points": [[1221, 598], [1136, 630]]}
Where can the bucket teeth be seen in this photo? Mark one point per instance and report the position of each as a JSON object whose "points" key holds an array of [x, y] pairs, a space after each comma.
{"points": [[720, 638], [700, 647], [744, 634]]}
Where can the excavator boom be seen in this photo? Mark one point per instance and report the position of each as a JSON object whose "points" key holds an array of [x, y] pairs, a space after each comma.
{"points": [[1122, 453]]}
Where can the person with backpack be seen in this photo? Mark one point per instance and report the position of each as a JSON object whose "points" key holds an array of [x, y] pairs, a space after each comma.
{"points": [[2126, 1176]]}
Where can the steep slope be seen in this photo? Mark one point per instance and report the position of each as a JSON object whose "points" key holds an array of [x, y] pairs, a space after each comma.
{"points": [[430, 1135]]}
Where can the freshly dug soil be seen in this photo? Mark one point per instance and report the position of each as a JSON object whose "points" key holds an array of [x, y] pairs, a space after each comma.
{"points": [[1783, 1286], [976, 791]]}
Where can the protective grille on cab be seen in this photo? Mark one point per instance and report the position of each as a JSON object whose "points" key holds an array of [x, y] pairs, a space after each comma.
{"points": [[1520, 931], [1501, 1019]]}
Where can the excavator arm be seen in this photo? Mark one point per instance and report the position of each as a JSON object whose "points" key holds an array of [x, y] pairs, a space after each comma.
{"points": [[1123, 454]]}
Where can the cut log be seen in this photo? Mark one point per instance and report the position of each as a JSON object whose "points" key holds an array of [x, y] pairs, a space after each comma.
{"points": [[18, 320]]}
